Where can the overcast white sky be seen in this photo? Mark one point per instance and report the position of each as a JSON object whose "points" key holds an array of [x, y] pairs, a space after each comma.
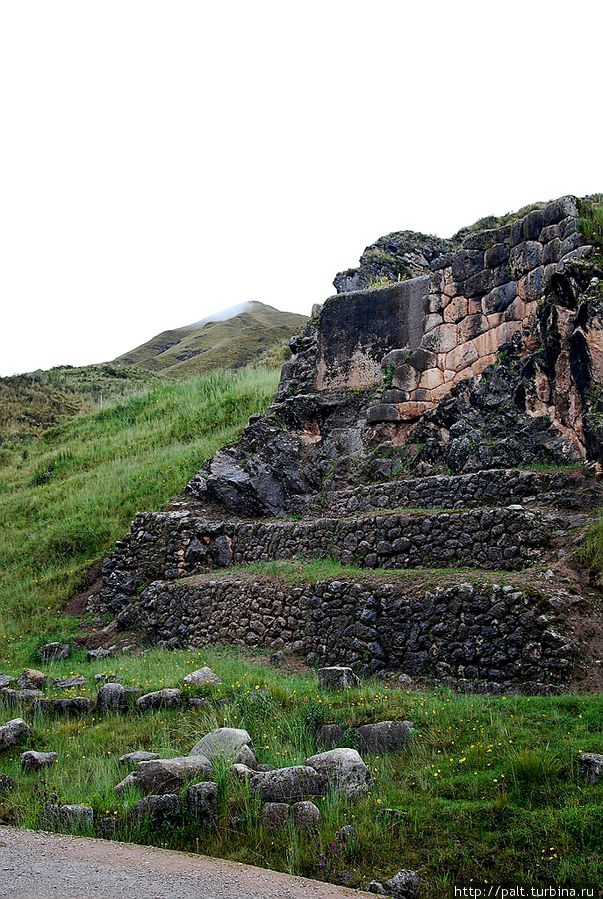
{"points": [[162, 160]]}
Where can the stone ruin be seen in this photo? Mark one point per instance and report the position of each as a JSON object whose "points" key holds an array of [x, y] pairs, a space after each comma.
{"points": [[447, 419]]}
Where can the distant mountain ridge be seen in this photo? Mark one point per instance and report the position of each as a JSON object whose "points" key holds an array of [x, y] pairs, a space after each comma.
{"points": [[253, 332]]}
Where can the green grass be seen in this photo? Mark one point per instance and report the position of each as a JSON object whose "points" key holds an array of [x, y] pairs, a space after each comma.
{"points": [[591, 222], [31, 403], [66, 498], [488, 789]]}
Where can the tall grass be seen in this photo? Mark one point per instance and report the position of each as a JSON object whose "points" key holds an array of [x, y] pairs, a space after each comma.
{"points": [[66, 498]]}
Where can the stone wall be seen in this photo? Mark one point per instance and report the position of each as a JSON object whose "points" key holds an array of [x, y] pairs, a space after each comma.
{"points": [[173, 545], [475, 632], [355, 335], [574, 489], [448, 325]]}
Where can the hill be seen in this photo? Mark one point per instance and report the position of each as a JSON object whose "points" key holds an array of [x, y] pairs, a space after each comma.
{"points": [[32, 402], [254, 333]]}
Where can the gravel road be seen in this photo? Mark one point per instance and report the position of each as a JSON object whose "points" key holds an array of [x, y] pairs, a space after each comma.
{"points": [[48, 866]]}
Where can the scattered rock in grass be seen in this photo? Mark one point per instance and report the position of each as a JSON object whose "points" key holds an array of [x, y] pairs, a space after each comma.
{"points": [[202, 801], [383, 736], [95, 655], [112, 698], [32, 679], [263, 767], [275, 815], [376, 887], [406, 682], [277, 659], [68, 683], [287, 784], [20, 697], [72, 818], [160, 699], [162, 776], [343, 878], [133, 758], [129, 781], [14, 732], [306, 817], [343, 770], [5, 680], [108, 825], [230, 743], [157, 810], [201, 677], [404, 885], [196, 702], [330, 734], [337, 678], [7, 784], [69, 705], [33, 761], [242, 771], [54, 652], [591, 766]]}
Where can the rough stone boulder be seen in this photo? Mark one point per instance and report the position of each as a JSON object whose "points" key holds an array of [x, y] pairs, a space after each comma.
{"points": [[33, 761], [169, 775], [306, 817], [202, 801], [591, 766], [287, 784], [94, 655], [336, 677], [13, 732], [32, 679], [68, 683], [342, 770], [68, 706], [73, 818], [20, 697], [275, 815], [229, 743], [201, 678], [55, 652], [5, 680], [160, 699], [404, 885], [384, 736], [133, 758], [157, 810], [112, 697]]}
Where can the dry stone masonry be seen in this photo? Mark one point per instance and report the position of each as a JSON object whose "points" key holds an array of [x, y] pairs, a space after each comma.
{"points": [[441, 412]]}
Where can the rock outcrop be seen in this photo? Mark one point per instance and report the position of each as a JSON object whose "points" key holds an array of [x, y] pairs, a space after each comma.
{"points": [[443, 419]]}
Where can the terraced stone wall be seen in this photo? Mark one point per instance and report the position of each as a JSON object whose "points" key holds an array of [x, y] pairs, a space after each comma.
{"points": [[464, 632], [170, 545], [493, 486]]}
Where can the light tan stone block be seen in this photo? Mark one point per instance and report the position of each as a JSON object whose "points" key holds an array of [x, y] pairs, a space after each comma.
{"points": [[456, 310], [461, 356], [482, 363], [441, 339], [432, 378]]}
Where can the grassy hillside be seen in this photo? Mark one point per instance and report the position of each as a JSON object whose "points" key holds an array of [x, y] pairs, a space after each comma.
{"points": [[67, 497], [32, 402], [233, 343]]}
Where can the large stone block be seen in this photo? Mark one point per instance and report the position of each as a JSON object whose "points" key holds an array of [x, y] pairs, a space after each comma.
{"points": [[466, 263], [525, 257], [441, 339], [455, 310]]}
